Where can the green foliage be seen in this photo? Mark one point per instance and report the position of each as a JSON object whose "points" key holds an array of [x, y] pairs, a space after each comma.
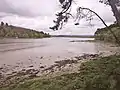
{"points": [[105, 35], [7, 31], [97, 74]]}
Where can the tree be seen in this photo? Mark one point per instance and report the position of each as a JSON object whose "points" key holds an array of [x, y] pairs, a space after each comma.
{"points": [[64, 15], [2, 23], [114, 4], [6, 24]]}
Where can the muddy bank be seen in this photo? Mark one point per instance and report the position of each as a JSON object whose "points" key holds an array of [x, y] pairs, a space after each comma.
{"points": [[67, 66], [60, 67]]}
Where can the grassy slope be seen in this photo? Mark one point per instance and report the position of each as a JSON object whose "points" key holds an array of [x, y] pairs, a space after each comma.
{"points": [[105, 35], [98, 74], [13, 31]]}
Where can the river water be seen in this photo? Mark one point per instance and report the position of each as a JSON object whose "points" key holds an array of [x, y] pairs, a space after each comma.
{"points": [[36, 52]]}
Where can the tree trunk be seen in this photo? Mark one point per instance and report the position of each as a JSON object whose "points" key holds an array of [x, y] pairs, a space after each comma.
{"points": [[115, 10]]}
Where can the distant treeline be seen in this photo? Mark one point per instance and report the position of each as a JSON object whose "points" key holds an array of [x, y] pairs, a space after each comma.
{"points": [[9, 31], [74, 36]]}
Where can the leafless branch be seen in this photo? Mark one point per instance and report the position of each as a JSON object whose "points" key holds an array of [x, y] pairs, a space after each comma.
{"points": [[82, 13]]}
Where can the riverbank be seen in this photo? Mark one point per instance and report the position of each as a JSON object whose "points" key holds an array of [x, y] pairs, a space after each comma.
{"points": [[88, 72], [59, 68]]}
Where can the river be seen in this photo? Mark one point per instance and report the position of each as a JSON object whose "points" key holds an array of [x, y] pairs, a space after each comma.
{"points": [[22, 53]]}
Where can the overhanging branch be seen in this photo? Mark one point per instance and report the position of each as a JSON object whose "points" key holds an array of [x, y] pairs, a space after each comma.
{"points": [[117, 40]]}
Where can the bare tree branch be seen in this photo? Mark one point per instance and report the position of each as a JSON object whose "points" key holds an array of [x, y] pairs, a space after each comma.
{"points": [[64, 15], [117, 40]]}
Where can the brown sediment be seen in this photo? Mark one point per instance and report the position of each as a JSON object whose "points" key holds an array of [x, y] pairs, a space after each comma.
{"points": [[60, 67]]}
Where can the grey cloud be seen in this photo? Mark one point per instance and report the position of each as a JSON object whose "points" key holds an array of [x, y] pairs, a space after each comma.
{"points": [[5, 7], [30, 8], [32, 13]]}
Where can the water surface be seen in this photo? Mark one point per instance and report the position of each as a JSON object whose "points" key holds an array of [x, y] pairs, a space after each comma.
{"points": [[36, 52]]}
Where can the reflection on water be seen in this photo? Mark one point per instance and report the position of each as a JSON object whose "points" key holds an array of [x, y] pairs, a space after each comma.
{"points": [[45, 51]]}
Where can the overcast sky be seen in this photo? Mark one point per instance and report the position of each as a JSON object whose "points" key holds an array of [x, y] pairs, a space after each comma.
{"points": [[39, 14]]}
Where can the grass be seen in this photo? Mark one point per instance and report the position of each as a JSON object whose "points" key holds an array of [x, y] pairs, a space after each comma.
{"points": [[97, 74]]}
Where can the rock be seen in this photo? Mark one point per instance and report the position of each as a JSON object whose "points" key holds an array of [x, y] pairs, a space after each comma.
{"points": [[42, 67], [14, 72], [93, 55], [1, 76], [78, 57], [70, 65], [31, 66], [31, 71], [41, 57], [16, 66], [32, 75], [64, 62], [52, 70], [23, 70], [86, 56], [1, 68], [30, 59]]}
